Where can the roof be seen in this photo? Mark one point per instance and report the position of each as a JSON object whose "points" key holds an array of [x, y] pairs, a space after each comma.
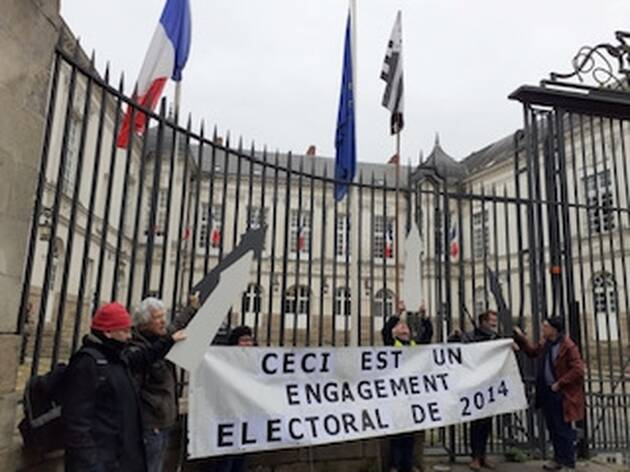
{"points": [[315, 165], [440, 164], [494, 154]]}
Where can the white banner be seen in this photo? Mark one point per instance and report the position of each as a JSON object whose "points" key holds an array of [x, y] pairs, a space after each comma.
{"points": [[250, 399]]}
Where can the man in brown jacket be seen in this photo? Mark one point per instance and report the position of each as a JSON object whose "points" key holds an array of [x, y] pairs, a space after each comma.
{"points": [[559, 387]]}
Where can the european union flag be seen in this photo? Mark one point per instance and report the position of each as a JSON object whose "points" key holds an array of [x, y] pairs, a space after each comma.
{"points": [[345, 145]]}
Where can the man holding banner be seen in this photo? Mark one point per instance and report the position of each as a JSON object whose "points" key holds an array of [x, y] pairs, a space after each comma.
{"points": [[559, 387]]}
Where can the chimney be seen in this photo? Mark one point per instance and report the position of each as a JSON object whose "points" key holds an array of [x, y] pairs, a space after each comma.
{"points": [[311, 151]]}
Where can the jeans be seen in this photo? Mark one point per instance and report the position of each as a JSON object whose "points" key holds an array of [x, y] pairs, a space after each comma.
{"points": [[401, 449], [562, 433], [155, 443], [479, 432]]}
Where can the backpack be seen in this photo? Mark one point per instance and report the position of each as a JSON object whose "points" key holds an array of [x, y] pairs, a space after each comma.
{"points": [[42, 427]]}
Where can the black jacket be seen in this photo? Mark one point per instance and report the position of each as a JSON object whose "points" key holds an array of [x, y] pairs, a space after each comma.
{"points": [[157, 383], [100, 409], [479, 334]]}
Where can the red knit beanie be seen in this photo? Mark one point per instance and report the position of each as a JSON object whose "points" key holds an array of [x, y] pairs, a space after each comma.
{"points": [[111, 317]]}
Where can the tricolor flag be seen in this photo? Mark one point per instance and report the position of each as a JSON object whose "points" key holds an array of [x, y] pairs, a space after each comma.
{"points": [[215, 237], [389, 241], [301, 236], [453, 237], [166, 58], [345, 144], [392, 74]]}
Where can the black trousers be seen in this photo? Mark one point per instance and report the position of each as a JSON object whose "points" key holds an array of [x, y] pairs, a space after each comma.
{"points": [[479, 433], [562, 433], [401, 450]]}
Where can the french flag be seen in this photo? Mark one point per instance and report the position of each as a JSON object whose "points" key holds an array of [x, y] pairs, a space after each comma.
{"points": [[166, 57], [454, 242]]}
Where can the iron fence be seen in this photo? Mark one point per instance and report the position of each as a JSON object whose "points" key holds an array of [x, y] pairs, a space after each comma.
{"points": [[532, 225]]}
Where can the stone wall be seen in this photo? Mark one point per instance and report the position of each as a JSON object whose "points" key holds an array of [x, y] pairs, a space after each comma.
{"points": [[28, 34]]}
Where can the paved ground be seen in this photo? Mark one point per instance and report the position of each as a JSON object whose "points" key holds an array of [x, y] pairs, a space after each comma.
{"points": [[531, 466]]}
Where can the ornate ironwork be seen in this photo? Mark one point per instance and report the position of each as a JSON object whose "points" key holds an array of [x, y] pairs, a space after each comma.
{"points": [[607, 64]]}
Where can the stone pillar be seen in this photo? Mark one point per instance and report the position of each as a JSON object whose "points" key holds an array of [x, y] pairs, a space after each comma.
{"points": [[28, 34]]}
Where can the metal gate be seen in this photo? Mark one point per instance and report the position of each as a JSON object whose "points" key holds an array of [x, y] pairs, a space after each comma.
{"points": [[532, 225]]}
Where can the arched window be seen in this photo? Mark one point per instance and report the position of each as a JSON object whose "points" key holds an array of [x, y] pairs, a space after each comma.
{"points": [[343, 305], [296, 306], [605, 307]]}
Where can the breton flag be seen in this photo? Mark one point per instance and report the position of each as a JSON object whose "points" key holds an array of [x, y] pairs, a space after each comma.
{"points": [[392, 74], [345, 144], [166, 58]]}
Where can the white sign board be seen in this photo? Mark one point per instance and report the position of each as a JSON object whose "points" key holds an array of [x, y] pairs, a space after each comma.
{"points": [[250, 399]]}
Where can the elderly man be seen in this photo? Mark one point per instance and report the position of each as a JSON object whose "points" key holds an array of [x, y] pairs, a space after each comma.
{"points": [[158, 383], [559, 387]]}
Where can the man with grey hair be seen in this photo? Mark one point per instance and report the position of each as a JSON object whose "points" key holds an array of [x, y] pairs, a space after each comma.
{"points": [[157, 384]]}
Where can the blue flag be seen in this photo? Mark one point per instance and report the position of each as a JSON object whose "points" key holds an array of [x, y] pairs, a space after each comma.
{"points": [[345, 145]]}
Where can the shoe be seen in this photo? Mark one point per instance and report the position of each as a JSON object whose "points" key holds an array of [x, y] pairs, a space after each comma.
{"points": [[475, 464], [552, 465], [487, 464]]}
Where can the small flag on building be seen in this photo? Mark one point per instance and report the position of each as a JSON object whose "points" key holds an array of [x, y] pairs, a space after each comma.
{"points": [[166, 58], [389, 241], [301, 236], [392, 74], [215, 237], [453, 237], [345, 144]]}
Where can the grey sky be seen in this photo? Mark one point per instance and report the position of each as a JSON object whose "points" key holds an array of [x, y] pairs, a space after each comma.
{"points": [[270, 70]]}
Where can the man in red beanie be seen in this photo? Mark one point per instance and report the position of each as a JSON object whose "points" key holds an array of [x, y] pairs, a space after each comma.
{"points": [[101, 414]]}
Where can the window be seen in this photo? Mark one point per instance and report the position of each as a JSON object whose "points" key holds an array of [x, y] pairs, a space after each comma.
{"points": [[300, 225], [481, 234], [605, 307], [296, 306], [343, 305], [160, 221], [342, 236], [68, 176], [160, 212], [251, 304], [481, 302], [212, 230], [599, 199], [383, 304], [257, 218], [384, 235]]}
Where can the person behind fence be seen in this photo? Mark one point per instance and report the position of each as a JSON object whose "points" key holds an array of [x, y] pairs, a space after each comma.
{"points": [[240, 336], [101, 407], [559, 387], [157, 383], [486, 330], [396, 333]]}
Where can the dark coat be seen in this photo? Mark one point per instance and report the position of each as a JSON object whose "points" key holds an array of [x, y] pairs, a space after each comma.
{"points": [[157, 383], [101, 408], [569, 370], [479, 335]]}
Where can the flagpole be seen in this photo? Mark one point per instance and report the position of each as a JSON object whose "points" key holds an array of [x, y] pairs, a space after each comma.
{"points": [[355, 285], [397, 225]]}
